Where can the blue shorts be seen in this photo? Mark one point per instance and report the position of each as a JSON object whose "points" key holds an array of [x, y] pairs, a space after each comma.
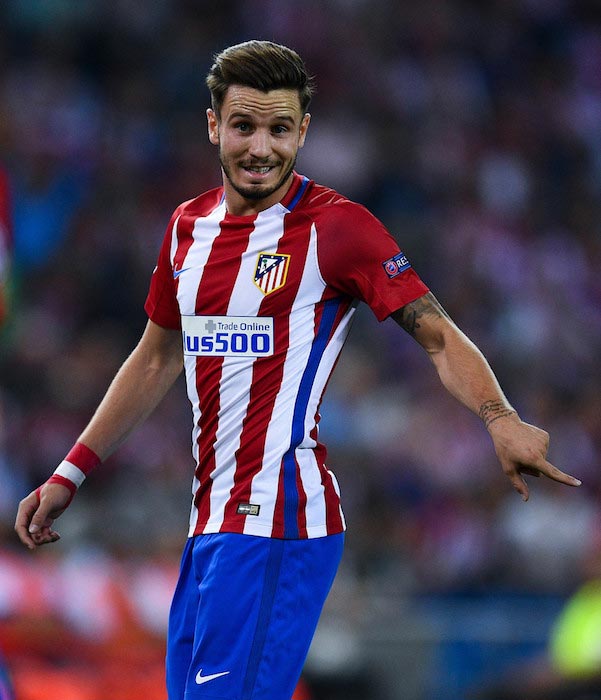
{"points": [[243, 614]]}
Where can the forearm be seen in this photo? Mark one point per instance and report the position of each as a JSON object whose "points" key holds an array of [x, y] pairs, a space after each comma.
{"points": [[138, 387], [466, 374], [462, 368]]}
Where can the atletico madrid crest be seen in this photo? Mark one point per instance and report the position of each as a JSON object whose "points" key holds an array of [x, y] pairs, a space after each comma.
{"points": [[271, 271]]}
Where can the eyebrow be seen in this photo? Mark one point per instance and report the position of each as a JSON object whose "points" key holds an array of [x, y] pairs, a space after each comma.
{"points": [[248, 115]]}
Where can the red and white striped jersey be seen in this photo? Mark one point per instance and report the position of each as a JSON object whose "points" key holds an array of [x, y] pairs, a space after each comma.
{"points": [[265, 304]]}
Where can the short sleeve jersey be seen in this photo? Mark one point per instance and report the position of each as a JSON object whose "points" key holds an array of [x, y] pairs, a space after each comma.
{"points": [[265, 304]]}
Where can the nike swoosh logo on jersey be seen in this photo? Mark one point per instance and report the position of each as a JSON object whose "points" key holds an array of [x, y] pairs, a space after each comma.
{"points": [[200, 679], [177, 273]]}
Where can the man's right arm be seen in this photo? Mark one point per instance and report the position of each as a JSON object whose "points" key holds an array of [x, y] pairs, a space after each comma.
{"points": [[138, 387]]}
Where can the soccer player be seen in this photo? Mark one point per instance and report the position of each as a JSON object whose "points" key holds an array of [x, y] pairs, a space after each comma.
{"points": [[255, 288]]}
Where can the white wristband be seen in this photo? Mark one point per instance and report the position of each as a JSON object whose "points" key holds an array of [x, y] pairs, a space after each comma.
{"points": [[71, 472]]}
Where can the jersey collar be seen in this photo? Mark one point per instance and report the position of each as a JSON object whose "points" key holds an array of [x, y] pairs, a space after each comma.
{"points": [[295, 192]]}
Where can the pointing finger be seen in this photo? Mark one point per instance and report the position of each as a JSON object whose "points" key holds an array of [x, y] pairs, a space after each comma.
{"points": [[557, 475]]}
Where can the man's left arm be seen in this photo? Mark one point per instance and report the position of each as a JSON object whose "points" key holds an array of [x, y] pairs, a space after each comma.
{"points": [[464, 371]]}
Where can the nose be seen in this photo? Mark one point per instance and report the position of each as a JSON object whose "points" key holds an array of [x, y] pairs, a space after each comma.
{"points": [[260, 144]]}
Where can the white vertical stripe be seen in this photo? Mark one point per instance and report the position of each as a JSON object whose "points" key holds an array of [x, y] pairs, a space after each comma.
{"points": [[174, 239], [280, 272], [265, 282], [315, 511], [271, 279], [205, 231]]}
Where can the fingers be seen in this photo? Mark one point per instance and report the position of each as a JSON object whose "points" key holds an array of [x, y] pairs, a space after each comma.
{"points": [[32, 523], [530, 471], [27, 508], [37, 512], [45, 536], [519, 484], [549, 470], [556, 474], [40, 520]]}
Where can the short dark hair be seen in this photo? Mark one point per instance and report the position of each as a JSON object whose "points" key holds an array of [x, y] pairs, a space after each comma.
{"points": [[262, 65]]}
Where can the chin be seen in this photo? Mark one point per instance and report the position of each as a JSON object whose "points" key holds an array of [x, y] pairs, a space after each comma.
{"points": [[256, 192]]}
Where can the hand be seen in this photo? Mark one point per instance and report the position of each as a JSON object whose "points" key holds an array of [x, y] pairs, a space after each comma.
{"points": [[522, 449], [38, 511]]}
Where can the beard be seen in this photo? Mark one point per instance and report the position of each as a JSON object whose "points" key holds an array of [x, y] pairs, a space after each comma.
{"points": [[256, 192]]}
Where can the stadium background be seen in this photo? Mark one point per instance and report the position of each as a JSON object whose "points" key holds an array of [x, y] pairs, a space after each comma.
{"points": [[472, 129]]}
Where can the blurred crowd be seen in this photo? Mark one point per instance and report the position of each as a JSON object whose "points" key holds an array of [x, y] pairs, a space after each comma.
{"points": [[471, 129]]}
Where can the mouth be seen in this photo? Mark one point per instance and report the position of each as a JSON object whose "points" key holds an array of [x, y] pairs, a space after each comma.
{"points": [[258, 171]]}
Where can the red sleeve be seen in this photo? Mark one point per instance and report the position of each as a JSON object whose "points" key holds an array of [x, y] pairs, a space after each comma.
{"points": [[161, 303], [360, 258]]}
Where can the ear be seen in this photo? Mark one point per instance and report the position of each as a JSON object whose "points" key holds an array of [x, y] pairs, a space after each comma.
{"points": [[303, 130], [213, 126]]}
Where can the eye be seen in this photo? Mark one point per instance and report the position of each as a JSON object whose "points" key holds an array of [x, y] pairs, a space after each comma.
{"points": [[243, 127], [279, 129]]}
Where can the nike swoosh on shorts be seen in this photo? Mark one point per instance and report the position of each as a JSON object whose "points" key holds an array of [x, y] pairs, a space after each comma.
{"points": [[200, 679]]}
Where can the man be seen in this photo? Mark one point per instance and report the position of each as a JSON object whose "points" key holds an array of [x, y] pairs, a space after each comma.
{"points": [[255, 288]]}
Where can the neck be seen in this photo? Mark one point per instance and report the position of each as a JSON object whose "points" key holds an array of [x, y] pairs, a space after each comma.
{"points": [[239, 205]]}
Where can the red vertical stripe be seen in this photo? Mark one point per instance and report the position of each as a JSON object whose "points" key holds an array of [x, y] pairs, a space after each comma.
{"points": [[278, 514], [183, 231], [333, 516]]}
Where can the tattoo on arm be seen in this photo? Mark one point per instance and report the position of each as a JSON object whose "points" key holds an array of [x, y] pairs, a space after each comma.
{"points": [[490, 411], [408, 316]]}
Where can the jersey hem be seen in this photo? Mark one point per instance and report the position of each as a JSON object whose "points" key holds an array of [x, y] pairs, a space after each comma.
{"points": [[259, 530]]}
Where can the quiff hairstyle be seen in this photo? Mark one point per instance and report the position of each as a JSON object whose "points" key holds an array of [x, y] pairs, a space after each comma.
{"points": [[262, 65]]}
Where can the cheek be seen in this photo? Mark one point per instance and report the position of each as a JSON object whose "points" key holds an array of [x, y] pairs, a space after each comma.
{"points": [[231, 144], [288, 150]]}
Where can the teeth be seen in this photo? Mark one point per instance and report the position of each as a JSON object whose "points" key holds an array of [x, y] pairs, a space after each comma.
{"points": [[263, 170]]}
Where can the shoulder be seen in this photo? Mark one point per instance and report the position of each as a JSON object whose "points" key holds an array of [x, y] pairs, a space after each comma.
{"points": [[326, 206], [202, 205]]}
